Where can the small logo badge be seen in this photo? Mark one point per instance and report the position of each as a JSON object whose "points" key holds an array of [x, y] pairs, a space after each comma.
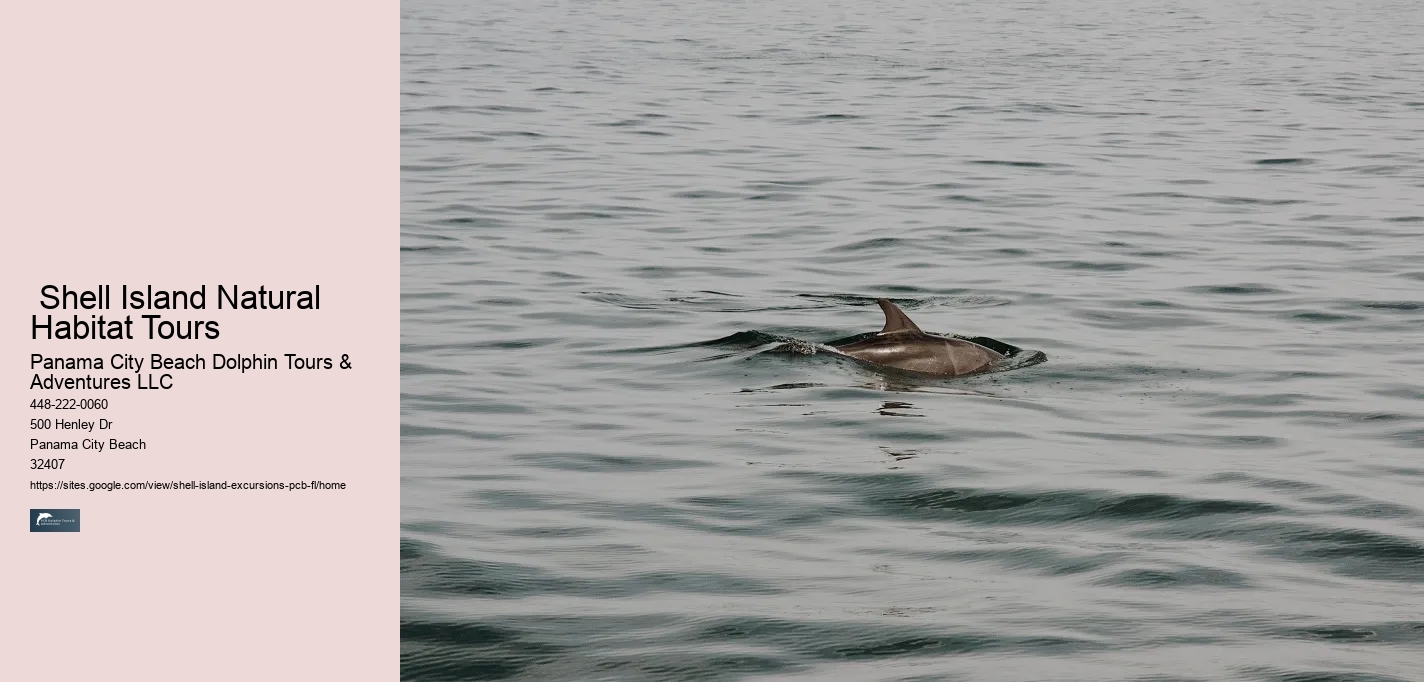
{"points": [[54, 520]]}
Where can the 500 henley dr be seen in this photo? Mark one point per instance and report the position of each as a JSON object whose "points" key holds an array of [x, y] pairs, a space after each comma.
{"points": [[101, 298]]}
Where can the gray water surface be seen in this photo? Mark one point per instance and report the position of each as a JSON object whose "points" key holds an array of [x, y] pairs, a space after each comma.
{"points": [[1209, 216]]}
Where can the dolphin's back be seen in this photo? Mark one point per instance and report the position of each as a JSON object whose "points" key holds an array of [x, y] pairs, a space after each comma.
{"points": [[917, 351], [902, 345]]}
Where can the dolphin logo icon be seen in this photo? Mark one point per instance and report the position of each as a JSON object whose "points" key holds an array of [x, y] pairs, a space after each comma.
{"points": [[42, 516]]}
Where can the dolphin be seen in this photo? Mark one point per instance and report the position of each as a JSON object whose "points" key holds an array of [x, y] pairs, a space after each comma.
{"points": [[902, 345]]}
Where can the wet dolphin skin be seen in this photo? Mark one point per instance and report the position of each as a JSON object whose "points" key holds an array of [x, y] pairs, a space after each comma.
{"points": [[902, 345]]}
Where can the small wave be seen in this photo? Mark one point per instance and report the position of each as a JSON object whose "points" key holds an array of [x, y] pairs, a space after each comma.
{"points": [[876, 243], [1235, 289], [1093, 266], [1293, 161], [1017, 164]]}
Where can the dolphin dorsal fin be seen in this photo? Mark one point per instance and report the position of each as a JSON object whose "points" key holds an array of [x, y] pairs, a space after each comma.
{"points": [[895, 319]]}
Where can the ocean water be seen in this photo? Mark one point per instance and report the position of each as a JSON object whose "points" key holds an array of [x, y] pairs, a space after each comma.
{"points": [[1208, 215]]}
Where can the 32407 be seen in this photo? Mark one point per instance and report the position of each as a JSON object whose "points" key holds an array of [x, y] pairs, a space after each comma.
{"points": [[47, 463]]}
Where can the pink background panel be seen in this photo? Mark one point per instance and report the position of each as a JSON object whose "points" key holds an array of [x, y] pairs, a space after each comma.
{"points": [[179, 144]]}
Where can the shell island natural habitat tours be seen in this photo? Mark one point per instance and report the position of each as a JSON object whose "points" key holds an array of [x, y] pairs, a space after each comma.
{"points": [[912, 340]]}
